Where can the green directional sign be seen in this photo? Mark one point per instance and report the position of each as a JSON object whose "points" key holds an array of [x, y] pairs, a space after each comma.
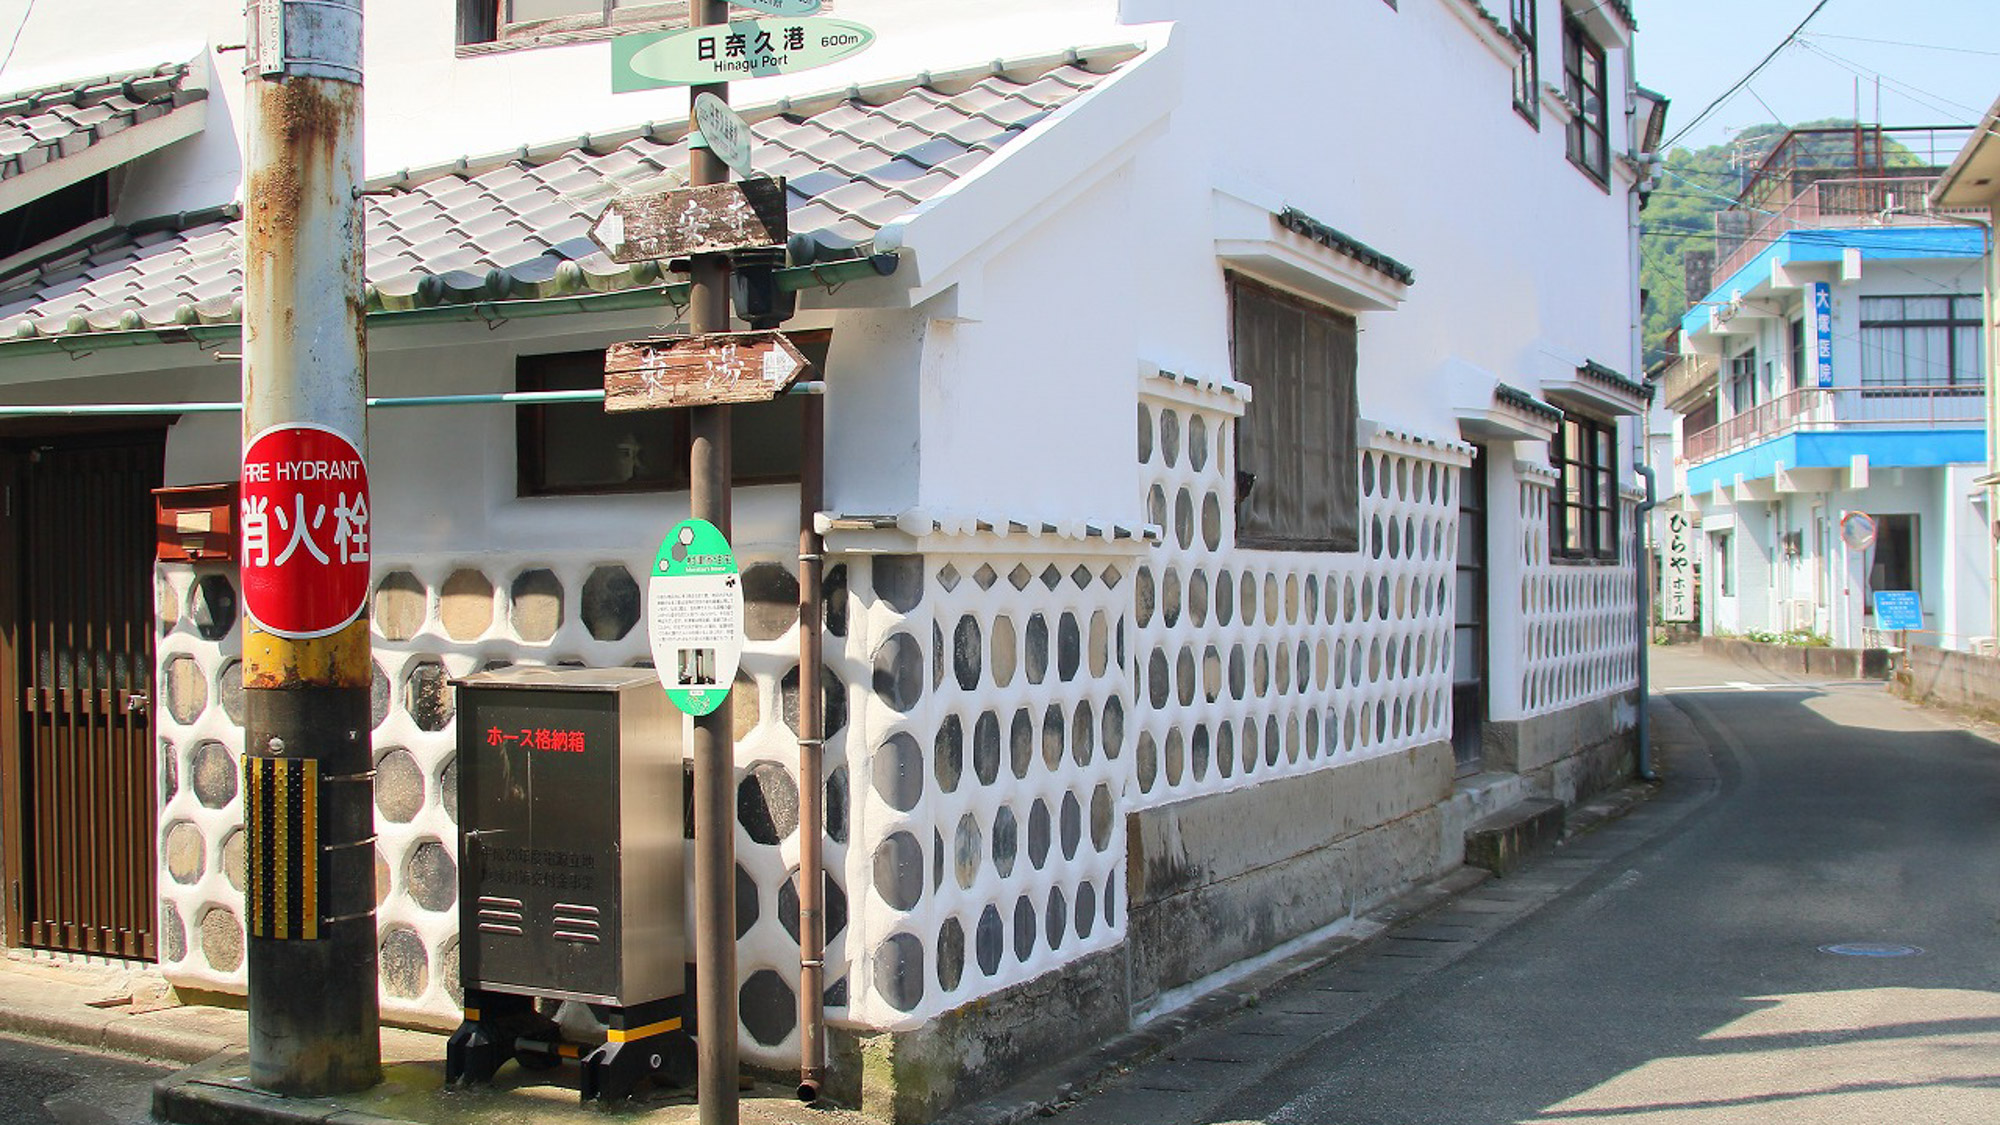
{"points": [[694, 616], [725, 52]]}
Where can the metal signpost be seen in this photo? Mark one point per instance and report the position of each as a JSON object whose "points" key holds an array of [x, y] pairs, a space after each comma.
{"points": [[704, 223]]}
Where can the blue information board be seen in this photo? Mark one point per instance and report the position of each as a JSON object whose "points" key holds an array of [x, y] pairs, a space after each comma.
{"points": [[1898, 609]]}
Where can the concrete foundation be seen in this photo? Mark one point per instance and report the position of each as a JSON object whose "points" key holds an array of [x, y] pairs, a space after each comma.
{"points": [[1567, 755], [1958, 680], [1833, 663], [1215, 879]]}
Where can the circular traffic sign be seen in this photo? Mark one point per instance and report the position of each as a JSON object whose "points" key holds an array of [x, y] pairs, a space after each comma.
{"points": [[305, 531]]}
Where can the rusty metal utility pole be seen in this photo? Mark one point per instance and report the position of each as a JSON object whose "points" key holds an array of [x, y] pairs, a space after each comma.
{"points": [[308, 763], [714, 748]]}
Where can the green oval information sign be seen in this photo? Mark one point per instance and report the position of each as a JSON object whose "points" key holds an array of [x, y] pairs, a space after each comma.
{"points": [[694, 616], [739, 49]]}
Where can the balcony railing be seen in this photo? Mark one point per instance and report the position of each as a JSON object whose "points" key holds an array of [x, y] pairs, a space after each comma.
{"points": [[1878, 201], [1817, 409]]}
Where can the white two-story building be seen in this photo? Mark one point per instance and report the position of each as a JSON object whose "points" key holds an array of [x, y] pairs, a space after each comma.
{"points": [[1229, 421]]}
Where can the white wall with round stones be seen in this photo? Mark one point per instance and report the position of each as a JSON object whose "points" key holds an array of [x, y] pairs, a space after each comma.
{"points": [[1577, 623], [439, 617], [1249, 664], [989, 828]]}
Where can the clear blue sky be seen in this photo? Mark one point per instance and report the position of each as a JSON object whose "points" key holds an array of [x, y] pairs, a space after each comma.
{"points": [[1938, 61]]}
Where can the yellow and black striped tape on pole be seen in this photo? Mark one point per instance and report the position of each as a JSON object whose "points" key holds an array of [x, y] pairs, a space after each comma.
{"points": [[281, 816]]}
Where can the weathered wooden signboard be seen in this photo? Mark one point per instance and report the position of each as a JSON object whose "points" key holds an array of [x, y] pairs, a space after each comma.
{"points": [[713, 219], [722, 368]]}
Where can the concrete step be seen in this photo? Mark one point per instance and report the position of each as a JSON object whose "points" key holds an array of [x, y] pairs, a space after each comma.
{"points": [[1498, 843]]}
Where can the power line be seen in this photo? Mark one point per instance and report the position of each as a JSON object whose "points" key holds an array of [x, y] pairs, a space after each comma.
{"points": [[1745, 80], [1900, 43]]}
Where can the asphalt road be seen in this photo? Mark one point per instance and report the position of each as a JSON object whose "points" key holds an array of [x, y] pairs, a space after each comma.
{"points": [[47, 1085], [1673, 968]]}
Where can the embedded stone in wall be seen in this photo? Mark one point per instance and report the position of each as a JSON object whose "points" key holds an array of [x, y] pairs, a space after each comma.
{"points": [[536, 605], [836, 805], [229, 691], [399, 786], [746, 704], [1021, 743], [212, 606], [899, 771], [221, 939], [833, 599], [1144, 598], [448, 788], [405, 964], [1111, 734], [401, 604], [1024, 929], [166, 603], [1145, 440], [431, 877], [767, 803], [448, 974], [212, 774], [1006, 841], [1101, 822], [950, 954], [1039, 836], [1086, 910], [769, 1007], [899, 870], [378, 695], [986, 748], [233, 857], [899, 971], [770, 601], [384, 878], [968, 648], [899, 671], [899, 581], [1004, 653], [833, 905], [186, 854], [610, 603], [465, 605], [173, 933], [170, 771], [989, 940], [1038, 648], [1071, 825], [187, 688], [968, 851], [1170, 437], [1056, 918], [1197, 442], [748, 909], [427, 695]]}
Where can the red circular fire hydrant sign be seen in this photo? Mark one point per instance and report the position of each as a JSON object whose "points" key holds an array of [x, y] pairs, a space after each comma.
{"points": [[306, 532]]}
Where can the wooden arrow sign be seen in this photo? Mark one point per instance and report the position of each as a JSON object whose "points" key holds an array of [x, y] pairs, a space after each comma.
{"points": [[713, 370], [714, 219]]}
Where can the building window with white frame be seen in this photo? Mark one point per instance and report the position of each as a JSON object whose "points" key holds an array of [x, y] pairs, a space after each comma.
{"points": [[1743, 383], [1297, 463], [533, 22], [1584, 84], [1925, 341], [1583, 525]]}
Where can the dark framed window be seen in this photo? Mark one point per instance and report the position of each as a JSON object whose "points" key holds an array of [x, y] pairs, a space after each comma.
{"points": [[1584, 524], [491, 21], [576, 449], [1927, 341], [1528, 71], [1583, 81], [1725, 564], [1297, 467], [1743, 383], [1799, 354]]}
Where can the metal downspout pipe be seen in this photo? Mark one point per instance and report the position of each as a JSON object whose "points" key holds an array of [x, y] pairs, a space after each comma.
{"points": [[1643, 569]]}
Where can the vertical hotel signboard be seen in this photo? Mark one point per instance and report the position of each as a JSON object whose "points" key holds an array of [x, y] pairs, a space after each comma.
{"points": [[1677, 579], [1822, 302]]}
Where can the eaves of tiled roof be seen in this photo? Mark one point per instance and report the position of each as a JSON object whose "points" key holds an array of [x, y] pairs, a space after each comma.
{"points": [[1624, 10], [1298, 222], [514, 225], [45, 125], [1525, 402], [1593, 370]]}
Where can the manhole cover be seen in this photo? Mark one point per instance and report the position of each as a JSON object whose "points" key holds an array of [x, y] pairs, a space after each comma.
{"points": [[1870, 949]]}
